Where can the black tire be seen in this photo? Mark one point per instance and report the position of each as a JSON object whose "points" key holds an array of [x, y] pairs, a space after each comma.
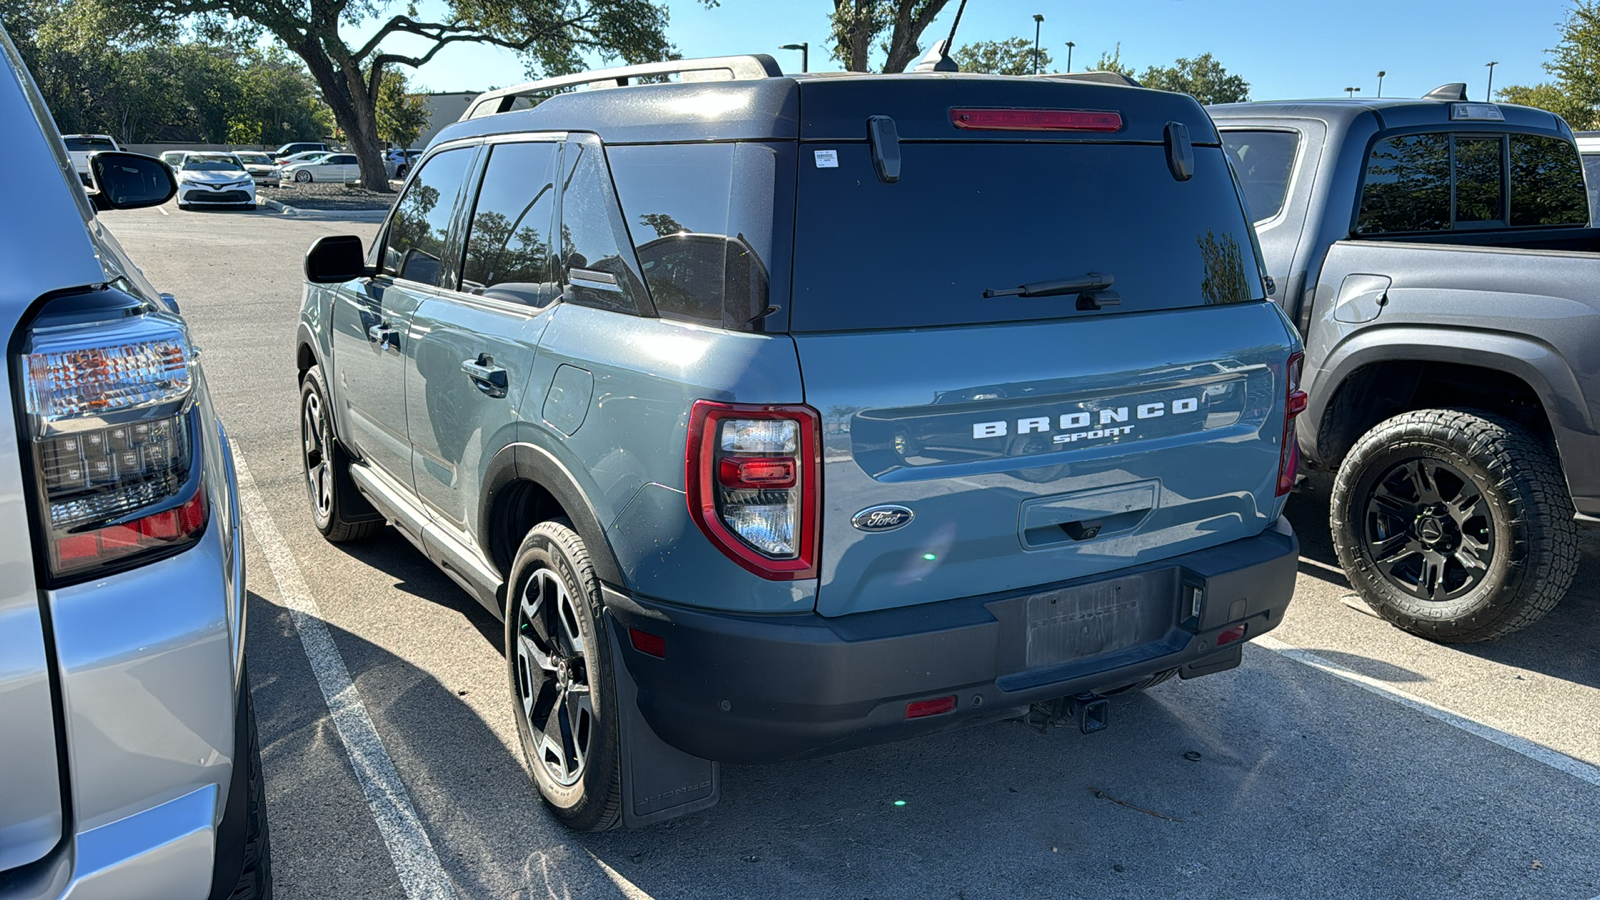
{"points": [[556, 642], [255, 876], [338, 510], [1455, 524], [400, 172]]}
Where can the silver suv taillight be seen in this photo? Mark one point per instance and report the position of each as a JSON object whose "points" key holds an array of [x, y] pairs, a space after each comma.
{"points": [[109, 417], [754, 479]]}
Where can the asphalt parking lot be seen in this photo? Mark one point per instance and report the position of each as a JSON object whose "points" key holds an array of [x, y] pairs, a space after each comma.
{"points": [[1343, 759]]}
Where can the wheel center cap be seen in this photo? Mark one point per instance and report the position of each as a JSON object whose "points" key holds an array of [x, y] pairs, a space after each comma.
{"points": [[563, 674], [1430, 530]]}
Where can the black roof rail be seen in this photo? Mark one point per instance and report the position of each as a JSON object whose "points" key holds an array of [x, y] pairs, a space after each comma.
{"points": [[1097, 77], [715, 68], [1456, 91]]}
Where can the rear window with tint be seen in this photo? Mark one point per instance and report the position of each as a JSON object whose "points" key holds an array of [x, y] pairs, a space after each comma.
{"points": [[967, 217], [1264, 161], [86, 144]]}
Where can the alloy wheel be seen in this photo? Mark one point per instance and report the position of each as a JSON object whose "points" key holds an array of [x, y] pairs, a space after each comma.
{"points": [[1428, 529], [553, 677], [314, 444]]}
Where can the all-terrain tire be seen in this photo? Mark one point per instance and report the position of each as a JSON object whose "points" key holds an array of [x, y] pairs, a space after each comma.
{"points": [[338, 510], [592, 801], [255, 877], [1526, 521]]}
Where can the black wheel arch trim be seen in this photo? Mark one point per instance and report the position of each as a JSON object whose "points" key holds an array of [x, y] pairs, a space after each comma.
{"points": [[528, 462]]}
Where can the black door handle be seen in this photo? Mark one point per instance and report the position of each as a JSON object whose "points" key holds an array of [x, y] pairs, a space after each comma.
{"points": [[490, 378]]}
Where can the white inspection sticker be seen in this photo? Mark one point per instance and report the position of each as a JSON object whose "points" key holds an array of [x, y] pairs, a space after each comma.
{"points": [[827, 159]]}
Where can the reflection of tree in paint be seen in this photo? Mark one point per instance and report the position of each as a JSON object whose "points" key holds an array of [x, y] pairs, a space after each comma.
{"points": [[1224, 280]]}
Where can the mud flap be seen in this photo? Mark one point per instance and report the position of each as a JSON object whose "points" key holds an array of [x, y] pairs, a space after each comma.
{"points": [[659, 781]]}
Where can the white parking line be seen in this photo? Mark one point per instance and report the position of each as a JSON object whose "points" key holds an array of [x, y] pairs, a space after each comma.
{"points": [[162, 211], [415, 861], [1536, 752]]}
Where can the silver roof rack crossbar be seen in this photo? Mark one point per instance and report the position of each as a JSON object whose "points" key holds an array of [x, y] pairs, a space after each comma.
{"points": [[716, 68]]}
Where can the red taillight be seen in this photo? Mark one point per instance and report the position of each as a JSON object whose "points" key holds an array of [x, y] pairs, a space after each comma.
{"points": [[71, 552], [754, 483], [1101, 120], [1236, 633], [647, 643], [1294, 404], [919, 708]]}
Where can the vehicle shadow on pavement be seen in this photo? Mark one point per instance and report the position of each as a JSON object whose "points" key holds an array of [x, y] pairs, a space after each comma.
{"points": [[1290, 796]]}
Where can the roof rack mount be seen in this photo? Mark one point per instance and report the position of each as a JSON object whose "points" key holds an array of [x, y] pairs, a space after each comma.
{"points": [[715, 68]]}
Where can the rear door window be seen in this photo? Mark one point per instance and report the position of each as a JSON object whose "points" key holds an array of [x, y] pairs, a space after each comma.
{"points": [[1408, 186], [1546, 182], [965, 218], [508, 254], [1265, 162], [596, 257], [415, 244]]}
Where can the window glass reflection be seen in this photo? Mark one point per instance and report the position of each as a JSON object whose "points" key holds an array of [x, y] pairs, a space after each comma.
{"points": [[508, 247], [1407, 186], [415, 244], [1546, 182], [598, 271], [1480, 178], [1264, 161]]}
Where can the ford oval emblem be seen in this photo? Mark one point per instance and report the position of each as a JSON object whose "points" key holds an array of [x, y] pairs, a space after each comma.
{"points": [[882, 518]]}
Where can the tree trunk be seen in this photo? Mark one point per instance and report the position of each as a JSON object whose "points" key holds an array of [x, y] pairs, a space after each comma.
{"points": [[854, 30], [909, 24], [353, 109]]}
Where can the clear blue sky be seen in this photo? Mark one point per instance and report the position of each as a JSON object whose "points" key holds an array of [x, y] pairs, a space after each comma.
{"points": [[1284, 48]]}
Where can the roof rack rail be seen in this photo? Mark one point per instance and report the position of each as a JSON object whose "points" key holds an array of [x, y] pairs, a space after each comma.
{"points": [[1098, 77], [733, 68], [1455, 91]]}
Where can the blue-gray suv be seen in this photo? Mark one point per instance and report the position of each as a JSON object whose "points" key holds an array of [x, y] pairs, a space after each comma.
{"points": [[781, 415]]}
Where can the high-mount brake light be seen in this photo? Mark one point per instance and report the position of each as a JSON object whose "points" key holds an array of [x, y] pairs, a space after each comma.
{"points": [[1294, 404], [754, 482], [1104, 121], [115, 448]]}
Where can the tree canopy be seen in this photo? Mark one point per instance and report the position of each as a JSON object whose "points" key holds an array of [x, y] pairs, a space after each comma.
{"points": [[1202, 77], [1009, 57], [857, 23], [1574, 95]]}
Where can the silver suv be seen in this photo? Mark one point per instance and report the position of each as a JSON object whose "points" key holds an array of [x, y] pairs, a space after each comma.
{"points": [[128, 758]]}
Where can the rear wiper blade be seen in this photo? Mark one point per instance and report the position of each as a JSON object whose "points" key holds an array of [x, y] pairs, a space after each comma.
{"points": [[1094, 281]]}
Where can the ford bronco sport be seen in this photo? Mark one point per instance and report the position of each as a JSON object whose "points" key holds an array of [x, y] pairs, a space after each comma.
{"points": [[780, 415]]}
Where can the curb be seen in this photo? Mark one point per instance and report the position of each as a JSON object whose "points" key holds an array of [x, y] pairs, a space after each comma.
{"points": [[279, 206]]}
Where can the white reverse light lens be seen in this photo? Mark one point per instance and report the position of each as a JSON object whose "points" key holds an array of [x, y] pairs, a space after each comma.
{"points": [[770, 436], [768, 527], [77, 371]]}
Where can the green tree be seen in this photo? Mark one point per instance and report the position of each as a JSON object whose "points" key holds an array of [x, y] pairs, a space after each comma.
{"points": [[1202, 77], [1112, 62], [402, 115], [857, 23], [551, 35], [1574, 95], [1009, 57]]}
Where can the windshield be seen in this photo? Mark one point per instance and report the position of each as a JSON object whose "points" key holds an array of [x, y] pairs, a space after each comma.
{"points": [[81, 144], [211, 164]]}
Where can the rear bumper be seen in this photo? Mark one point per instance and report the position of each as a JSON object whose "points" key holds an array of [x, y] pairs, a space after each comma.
{"points": [[756, 689]]}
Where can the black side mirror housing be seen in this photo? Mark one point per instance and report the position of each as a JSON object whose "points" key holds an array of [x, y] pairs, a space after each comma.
{"points": [[130, 180], [336, 259]]}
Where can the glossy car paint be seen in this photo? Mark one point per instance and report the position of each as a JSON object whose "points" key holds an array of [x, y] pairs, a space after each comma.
{"points": [[147, 661], [1534, 313]]}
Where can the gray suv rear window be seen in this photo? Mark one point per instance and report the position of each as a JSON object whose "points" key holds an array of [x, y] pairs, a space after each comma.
{"points": [[966, 217]]}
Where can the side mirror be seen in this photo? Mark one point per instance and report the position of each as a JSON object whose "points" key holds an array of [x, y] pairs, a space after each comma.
{"points": [[130, 180], [336, 259]]}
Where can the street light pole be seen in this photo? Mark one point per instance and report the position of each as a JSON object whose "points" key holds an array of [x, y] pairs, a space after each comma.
{"points": [[1352, 91], [1381, 73], [1070, 45], [1038, 21], [805, 53], [1491, 66]]}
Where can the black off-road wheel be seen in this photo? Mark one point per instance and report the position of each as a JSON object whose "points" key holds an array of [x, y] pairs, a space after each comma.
{"points": [[337, 509], [253, 860], [558, 660], [1454, 524]]}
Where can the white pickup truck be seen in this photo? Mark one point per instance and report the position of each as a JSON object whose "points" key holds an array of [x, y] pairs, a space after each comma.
{"points": [[82, 146]]}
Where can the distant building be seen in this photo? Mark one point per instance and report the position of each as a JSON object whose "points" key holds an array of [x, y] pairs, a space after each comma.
{"points": [[443, 109]]}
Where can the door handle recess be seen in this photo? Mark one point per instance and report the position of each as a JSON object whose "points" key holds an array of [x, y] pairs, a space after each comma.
{"points": [[490, 378]]}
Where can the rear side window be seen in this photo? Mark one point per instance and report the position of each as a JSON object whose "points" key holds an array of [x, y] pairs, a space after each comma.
{"points": [[701, 220], [965, 218], [414, 246], [595, 253], [1591, 171], [1546, 182], [1407, 186], [1264, 161], [508, 255]]}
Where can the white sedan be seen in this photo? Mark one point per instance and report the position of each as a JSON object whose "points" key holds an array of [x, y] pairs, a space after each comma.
{"points": [[215, 179], [340, 168]]}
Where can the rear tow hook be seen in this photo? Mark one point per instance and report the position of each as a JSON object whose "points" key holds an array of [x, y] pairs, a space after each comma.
{"points": [[1092, 712]]}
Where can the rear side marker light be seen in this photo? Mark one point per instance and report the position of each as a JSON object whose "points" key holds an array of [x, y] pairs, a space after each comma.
{"points": [[1294, 404], [1103, 121], [918, 709], [647, 643], [1236, 633]]}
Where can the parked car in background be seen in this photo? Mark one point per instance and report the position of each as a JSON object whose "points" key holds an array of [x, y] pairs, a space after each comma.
{"points": [[260, 166], [399, 162], [173, 158], [131, 767], [682, 400], [82, 146], [291, 149], [1589, 152], [339, 168], [302, 157], [215, 179], [1438, 259]]}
